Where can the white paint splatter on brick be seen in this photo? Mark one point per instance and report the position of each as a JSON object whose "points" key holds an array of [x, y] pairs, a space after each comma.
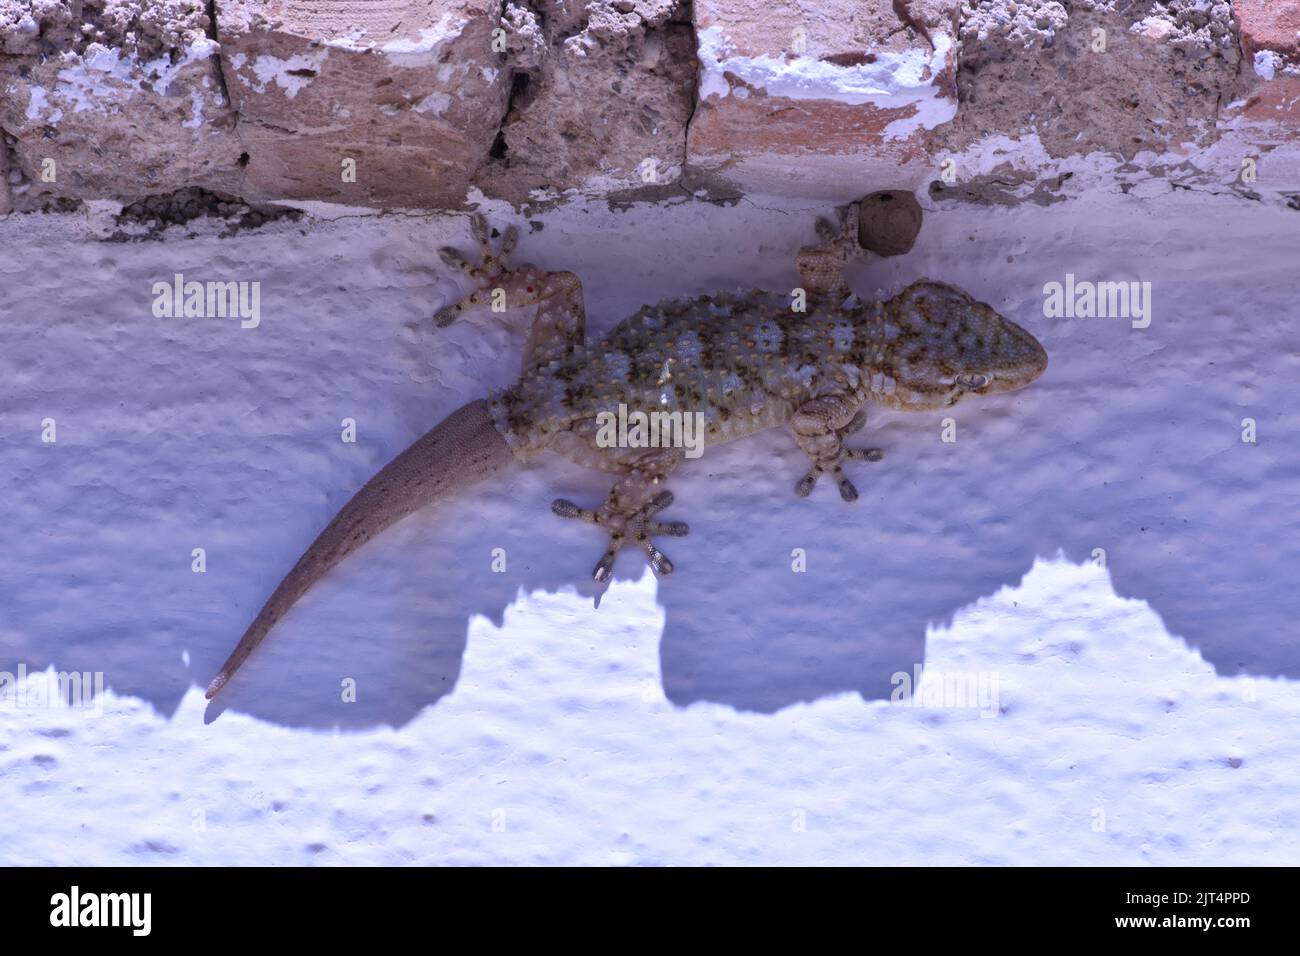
{"points": [[892, 80]]}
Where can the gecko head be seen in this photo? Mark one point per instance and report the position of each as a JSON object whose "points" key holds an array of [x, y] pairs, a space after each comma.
{"points": [[945, 346]]}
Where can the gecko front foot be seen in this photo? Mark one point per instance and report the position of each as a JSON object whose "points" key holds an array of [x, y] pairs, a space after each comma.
{"points": [[626, 528], [492, 269], [820, 427], [848, 491], [821, 267]]}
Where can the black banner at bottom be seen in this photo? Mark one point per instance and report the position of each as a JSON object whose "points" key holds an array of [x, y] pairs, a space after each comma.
{"points": [[330, 905]]}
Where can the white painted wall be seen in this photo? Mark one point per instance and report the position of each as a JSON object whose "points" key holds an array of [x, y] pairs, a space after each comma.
{"points": [[736, 713]]}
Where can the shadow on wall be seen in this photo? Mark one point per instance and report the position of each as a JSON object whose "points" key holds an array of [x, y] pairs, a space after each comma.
{"points": [[1130, 443]]}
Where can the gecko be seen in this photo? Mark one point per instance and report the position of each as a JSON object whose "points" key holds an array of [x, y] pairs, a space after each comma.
{"points": [[744, 361]]}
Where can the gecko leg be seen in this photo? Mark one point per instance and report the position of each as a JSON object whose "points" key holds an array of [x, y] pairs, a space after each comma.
{"points": [[821, 267], [628, 513], [820, 427]]}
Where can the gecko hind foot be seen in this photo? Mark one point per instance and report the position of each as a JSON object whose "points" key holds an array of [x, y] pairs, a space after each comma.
{"points": [[848, 491], [634, 527], [491, 269]]}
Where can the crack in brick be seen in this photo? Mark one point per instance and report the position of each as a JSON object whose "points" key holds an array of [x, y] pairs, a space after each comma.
{"points": [[6, 200], [218, 63]]}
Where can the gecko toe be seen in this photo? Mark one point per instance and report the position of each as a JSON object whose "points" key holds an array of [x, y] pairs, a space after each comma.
{"points": [[864, 454], [478, 227], [658, 560], [444, 317], [605, 566], [856, 425], [508, 243], [673, 529], [567, 509], [454, 258], [658, 503], [847, 489], [833, 466]]}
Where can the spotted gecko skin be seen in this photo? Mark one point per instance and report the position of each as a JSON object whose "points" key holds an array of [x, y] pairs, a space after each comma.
{"points": [[813, 359], [748, 362]]}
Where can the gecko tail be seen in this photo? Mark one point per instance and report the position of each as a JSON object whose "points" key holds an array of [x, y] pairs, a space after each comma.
{"points": [[463, 450]]}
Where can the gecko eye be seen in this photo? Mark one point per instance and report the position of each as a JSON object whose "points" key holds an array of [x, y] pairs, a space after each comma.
{"points": [[972, 381]]}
